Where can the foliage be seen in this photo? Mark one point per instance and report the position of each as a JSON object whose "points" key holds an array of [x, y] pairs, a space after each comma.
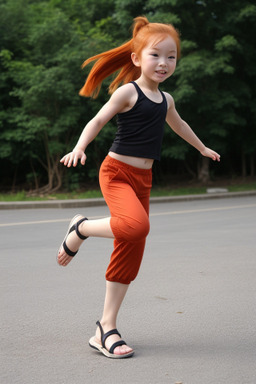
{"points": [[43, 44]]}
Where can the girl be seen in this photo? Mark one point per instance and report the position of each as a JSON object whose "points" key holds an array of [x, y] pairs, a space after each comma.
{"points": [[145, 61]]}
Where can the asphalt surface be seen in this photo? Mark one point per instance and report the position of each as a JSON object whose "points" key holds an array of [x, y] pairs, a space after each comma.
{"points": [[190, 314]]}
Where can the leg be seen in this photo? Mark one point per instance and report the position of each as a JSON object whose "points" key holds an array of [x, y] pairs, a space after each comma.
{"points": [[95, 228], [128, 225], [115, 293], [127, 255], [129, 221], [125, 261]]}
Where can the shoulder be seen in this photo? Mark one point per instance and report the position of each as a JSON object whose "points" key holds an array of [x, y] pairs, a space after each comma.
{"points": [[125, 91], [125, 96], [169, 99]]}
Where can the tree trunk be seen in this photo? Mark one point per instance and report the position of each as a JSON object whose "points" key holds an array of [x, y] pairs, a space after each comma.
{"points": [[204, 170], [54, 172], [190, 170], [14, 178], [34, 174], [244, 172], [252, 163]]}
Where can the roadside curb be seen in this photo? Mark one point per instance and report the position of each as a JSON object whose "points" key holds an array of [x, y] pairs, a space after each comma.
{"points": [[80, 203]]}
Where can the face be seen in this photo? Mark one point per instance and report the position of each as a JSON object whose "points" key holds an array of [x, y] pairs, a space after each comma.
{"points": [[157, 61]]}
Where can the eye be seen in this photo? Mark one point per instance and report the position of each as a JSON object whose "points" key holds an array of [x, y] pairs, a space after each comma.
{"points": [[171, 57], [154, 54]]}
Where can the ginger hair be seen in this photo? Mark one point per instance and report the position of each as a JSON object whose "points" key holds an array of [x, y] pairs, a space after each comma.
{"points": [[119, 58]]}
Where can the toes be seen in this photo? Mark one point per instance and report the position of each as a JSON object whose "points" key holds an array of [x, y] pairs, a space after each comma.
{"points": [[123, 350], [63, 263], [63, 259]]}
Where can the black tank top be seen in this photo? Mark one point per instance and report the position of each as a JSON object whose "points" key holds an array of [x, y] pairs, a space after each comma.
{"points": [[140, 130]]}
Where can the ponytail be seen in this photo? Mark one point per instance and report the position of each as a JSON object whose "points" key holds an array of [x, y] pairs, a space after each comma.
{"points": [[119, 58], [106, 64]]}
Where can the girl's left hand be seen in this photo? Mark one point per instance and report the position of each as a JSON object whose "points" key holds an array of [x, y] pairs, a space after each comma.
{"points": [[210, 153]]}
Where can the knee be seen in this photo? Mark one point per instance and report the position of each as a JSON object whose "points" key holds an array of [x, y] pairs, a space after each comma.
{"points": [[132, 231], [139, 231], [136, 233]]}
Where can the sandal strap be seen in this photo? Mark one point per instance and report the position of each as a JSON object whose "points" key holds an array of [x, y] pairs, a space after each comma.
{"points": [[76, 225], [68, 251], [117, 344], [101, 330], [82, 237], [104, 336], [109, 333]]}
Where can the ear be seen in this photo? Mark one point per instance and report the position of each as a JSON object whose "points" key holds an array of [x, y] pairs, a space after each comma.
{"points": [[135, 59]]}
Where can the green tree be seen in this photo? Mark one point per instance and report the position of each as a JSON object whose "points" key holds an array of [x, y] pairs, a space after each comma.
{"points": [[44, 89], [214, 83], [42, 113], [243, 25], [43, 44]]}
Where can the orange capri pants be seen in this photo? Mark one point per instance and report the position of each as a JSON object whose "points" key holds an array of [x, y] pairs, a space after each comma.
{"points": [[126, 190]]}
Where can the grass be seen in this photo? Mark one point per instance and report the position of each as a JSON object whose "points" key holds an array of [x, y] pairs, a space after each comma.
{"points": [[200, 190], [156, 192], [22, 196]]}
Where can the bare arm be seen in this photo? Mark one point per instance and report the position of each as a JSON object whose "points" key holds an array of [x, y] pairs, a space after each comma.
{"points": [[182, 129], [118, 102]]}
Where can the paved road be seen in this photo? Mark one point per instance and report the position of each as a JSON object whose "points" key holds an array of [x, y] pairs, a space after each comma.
{"points": [[190, 315]]}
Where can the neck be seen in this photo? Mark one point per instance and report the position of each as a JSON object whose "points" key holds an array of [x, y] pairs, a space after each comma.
{"points": [[147, 84]]}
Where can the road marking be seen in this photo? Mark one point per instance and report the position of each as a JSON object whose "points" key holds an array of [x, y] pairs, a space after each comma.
{"points": [[215, 209], [43, 222], [203, 210]]}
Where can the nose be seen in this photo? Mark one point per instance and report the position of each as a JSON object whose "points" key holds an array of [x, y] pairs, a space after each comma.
{"points": [[162, 62]]}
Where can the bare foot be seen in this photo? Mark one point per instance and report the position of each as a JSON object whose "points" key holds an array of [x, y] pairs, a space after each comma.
{"points": [[73, 242]]}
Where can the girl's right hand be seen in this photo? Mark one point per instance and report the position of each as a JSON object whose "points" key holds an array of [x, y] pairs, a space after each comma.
{"points": [[72, 158]]}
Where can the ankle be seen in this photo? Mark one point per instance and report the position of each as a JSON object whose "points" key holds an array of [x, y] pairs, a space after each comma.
{"points": [[107, 325], [82, 228]]}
